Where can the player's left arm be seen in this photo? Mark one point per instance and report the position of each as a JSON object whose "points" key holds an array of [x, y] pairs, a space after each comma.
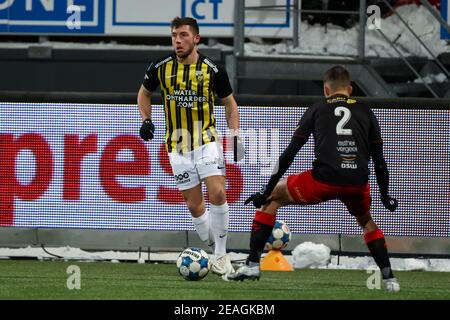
{"points": [[381, 168], [231, 114], [224, 91]]}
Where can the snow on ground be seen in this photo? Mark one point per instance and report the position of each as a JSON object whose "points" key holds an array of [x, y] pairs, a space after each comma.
{"points": [[309, 255], [312, 255], [70, 253]]}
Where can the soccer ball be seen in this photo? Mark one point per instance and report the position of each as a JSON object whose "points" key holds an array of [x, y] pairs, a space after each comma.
{"points": [[280, 236], [193, 264]]}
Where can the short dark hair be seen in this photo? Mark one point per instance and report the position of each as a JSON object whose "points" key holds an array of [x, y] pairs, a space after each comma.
{"points": [[185, 21], [337, 77]]}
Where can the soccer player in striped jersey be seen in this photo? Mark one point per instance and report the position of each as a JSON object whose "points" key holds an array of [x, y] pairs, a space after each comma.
{"points": [[346, 135], [189, 81]]}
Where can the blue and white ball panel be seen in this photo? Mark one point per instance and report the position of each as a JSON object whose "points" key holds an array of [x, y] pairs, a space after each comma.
{"points": [[280, 236], [193, 264]]}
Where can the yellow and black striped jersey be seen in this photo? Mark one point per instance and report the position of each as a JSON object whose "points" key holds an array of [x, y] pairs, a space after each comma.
{"points": [[188, 95]]}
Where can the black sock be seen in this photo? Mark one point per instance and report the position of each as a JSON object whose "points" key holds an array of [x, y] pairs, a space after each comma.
{"points": [[377, 246], [261, 229]]}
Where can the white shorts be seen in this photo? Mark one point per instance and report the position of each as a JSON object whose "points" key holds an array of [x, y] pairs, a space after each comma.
{"points": [[190, 168]]}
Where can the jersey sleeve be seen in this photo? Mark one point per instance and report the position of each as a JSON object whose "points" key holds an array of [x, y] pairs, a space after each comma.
{"points": [[151, 81], [222, 84], [375, 131], [305, 125]]}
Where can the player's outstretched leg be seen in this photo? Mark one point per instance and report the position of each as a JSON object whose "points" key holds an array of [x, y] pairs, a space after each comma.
{"points": [[262, 226], [375, 241]]}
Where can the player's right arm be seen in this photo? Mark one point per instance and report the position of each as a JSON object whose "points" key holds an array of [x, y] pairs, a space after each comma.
{"points": [[144, 100], [145, 103], [284, 162], [299, 138]]}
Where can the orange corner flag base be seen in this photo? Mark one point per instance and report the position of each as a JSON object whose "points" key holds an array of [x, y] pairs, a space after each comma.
{"points": [[275, 261]]}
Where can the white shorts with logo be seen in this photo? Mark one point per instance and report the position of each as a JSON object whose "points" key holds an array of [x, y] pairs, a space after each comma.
{"points": [[191, 168]]}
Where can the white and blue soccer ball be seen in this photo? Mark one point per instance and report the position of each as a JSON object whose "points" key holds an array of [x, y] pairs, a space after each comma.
{"points": [[280, 236], [193, 264]]}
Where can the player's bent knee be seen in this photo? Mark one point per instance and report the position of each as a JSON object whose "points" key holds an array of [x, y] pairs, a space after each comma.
{"points": [[363, 220], [271, 207], [281, 194], [195, 208], [279, 189], [194, 202], [217, 197]]}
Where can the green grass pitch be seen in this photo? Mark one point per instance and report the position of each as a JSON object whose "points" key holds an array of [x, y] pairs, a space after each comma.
{"points": [[33, 279]]}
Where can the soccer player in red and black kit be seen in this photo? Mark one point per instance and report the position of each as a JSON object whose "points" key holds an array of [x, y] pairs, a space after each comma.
{"points": [[346, 134]]}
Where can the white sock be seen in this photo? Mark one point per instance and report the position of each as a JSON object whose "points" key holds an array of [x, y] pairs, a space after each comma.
{"points": [[219, 227], [202, 226]]}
